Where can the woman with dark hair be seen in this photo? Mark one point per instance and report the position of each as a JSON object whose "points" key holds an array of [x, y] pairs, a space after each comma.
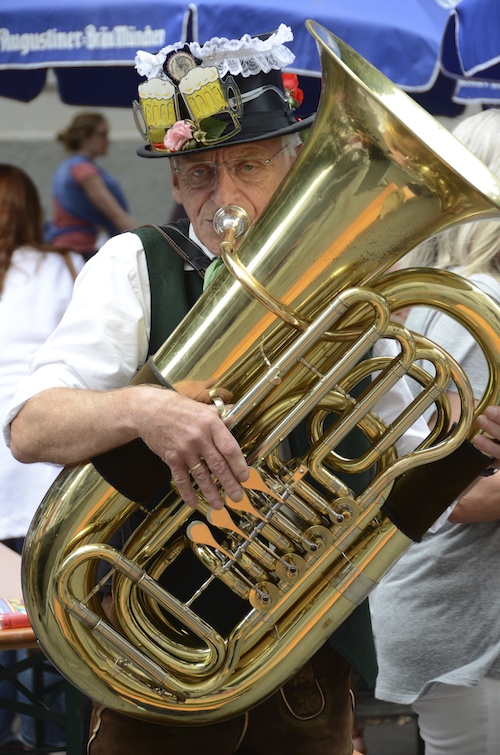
{"points": [[36, 285], [88, 200]]}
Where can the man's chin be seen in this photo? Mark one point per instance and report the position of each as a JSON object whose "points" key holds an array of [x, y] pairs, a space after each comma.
{"points": [[211, 241]]}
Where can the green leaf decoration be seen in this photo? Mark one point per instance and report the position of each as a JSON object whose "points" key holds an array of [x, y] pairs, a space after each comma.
{"points": [[212, 127]]}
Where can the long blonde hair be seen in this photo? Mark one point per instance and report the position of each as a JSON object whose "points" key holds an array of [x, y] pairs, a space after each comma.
{"points": [[474, 246]]}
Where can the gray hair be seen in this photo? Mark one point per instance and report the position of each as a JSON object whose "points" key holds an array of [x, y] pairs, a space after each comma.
{"points": [[291, 140], [473, 246]]}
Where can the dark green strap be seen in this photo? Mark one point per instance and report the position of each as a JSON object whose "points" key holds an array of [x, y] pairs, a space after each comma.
{"points": [[187, 249], [354, 641]]}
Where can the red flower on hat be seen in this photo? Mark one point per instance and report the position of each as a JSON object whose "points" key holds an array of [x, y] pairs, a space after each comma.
{"points": [[293, 94]]}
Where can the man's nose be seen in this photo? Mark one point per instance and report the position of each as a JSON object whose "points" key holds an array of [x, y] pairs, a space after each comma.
{"points": [[225, 186]]}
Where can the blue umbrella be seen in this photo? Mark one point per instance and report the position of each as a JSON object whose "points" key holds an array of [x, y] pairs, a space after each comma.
{"points": [[91, 44], [471, 51], [402, 39]]}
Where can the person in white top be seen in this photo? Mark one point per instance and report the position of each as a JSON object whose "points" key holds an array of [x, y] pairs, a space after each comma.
{"points": [[36, 285]]}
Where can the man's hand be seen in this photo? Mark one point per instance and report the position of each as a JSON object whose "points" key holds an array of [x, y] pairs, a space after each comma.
{"points": [[200, 391], [69, 426], [193, 441]]}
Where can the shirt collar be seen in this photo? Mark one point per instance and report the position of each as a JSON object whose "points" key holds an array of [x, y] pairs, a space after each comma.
{"points": [[194, 237]]}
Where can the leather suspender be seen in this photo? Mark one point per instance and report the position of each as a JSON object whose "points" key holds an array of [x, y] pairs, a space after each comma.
{"points": [[187, 249]]}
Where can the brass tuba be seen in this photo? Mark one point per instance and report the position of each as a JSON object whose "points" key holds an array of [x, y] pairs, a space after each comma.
{"points": [[287, 329]]}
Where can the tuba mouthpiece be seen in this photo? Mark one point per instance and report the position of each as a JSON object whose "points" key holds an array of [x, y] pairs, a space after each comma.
{"points": [[231, 218]]}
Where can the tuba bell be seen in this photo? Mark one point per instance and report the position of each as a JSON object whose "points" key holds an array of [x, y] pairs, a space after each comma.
{"points": [[287, 330]]}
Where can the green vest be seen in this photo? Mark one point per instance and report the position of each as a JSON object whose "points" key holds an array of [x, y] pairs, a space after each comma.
{"points": [[173, 293]]}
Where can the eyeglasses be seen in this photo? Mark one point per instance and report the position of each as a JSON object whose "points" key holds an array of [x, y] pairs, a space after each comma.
{"points": [[248, 170]]}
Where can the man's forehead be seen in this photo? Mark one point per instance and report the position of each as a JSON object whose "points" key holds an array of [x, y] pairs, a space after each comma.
{"points": [[263, 148]]}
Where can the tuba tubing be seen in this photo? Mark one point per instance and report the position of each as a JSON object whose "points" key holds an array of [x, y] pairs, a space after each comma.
{"points": [[286, 329]]}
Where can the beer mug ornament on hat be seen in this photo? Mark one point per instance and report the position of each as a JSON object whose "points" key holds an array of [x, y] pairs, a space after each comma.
{"points": [[222, 92], [159, 107]]}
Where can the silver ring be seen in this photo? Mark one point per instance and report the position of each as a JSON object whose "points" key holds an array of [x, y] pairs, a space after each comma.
{"points": [[196, 466]]}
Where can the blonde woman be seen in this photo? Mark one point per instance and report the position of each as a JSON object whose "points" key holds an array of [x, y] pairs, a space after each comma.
{"points": [[435, 615]]}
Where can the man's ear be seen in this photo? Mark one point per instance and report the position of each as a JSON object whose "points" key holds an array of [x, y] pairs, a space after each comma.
{"points": [[176, 192]]}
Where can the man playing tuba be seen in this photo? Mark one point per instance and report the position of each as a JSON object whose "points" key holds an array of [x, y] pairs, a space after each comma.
{"points": [[78, 401]]}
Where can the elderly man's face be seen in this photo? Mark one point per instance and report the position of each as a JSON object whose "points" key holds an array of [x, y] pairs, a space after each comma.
{"points": [[245, 175]]}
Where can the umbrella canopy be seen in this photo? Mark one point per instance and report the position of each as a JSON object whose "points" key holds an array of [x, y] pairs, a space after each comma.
{"points": [[91, 45], [471, 51]]}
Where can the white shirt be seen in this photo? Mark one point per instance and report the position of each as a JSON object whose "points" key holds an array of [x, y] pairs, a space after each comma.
{"points": [[38, 287], [104, 334]]}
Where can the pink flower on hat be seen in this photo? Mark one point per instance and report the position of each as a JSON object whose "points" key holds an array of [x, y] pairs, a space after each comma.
{"points": [[177, 136]]}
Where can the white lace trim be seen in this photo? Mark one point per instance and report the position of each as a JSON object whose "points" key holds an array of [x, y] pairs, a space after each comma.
{"points": [[246, 56], [151, 65]]}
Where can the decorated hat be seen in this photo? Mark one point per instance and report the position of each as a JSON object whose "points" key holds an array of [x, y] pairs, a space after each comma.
{"points": [[224, 92]]}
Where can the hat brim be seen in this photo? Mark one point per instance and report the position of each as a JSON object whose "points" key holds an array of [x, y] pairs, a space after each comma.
{"points": [[240, 138]]}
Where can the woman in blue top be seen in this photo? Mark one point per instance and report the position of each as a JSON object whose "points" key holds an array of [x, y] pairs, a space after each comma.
{"points": [[88, 200]]}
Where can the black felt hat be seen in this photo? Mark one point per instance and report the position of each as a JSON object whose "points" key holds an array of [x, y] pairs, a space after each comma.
{"points": [[226, 92]]}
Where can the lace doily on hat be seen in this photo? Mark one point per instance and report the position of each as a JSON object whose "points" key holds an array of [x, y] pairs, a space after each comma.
{"points": [[151, 64], [247, 56]]}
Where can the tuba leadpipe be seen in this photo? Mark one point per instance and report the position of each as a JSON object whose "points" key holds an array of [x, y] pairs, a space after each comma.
{"points": [[286, 330]]}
